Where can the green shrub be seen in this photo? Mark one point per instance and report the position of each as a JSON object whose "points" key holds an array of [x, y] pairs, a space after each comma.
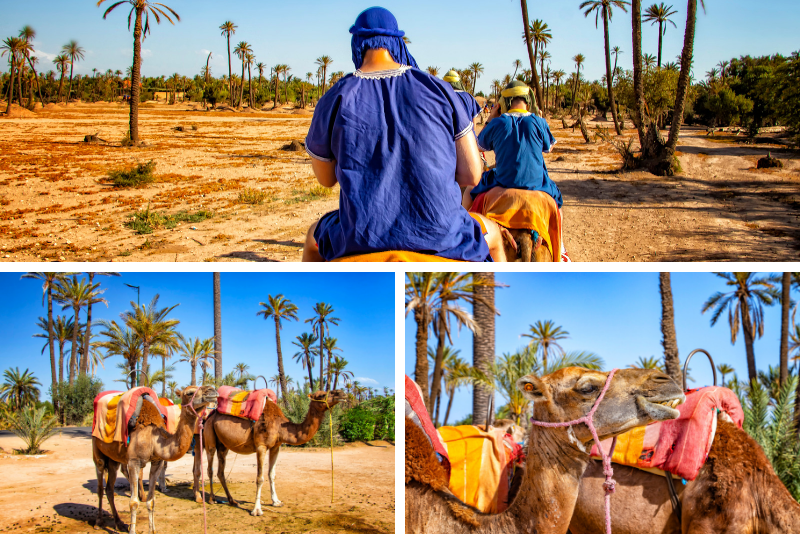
{"points": [[144, 222], [34, 427], [136, 176], [359, 424], [253, 196], [75, 401]]}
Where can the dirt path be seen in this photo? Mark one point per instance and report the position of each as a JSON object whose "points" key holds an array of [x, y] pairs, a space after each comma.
{"points": [[56, 493], [56, 203]]}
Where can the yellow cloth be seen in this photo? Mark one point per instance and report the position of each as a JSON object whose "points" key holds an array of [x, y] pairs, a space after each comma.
{"points": [[173, 417], [107, 417], [237, 402], [516, 91], [477, 462], [393, 256], [629, 447]]}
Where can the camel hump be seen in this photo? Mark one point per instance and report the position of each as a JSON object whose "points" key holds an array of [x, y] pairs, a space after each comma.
{"points": [[421, 462], [149, 416]]}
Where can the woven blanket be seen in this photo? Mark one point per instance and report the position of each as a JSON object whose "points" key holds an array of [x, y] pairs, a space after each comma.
{"points": [[523, 210], [679, 446], [115, 413], [480, 464], [417, 412], [245, 404]]}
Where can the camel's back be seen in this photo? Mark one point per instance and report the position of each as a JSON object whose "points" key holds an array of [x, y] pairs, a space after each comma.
{"points": [[149, 416]]}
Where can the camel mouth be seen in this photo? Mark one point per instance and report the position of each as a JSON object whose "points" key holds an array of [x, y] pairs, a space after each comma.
{"points": [[661, 409]]}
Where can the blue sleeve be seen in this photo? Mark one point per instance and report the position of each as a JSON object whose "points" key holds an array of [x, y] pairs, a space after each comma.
{"points": [[485, 143], [318, 140], [476, 108]]}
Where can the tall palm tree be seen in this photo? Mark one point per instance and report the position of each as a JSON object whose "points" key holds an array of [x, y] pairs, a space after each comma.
{"points": [[745, 307], [724, 369], [617, 51], [229, 28], [517, 65], [13, 47], [578, 59], [121, 341], [241, 369], [62, 333], [545, 336], [87, 335], [241, 51], [28, 34], [339, 367], [660, 14], [321, 321], [324, 62], [196, 351], [329, 344], [61, 62], [529, 45], [74, 53], [476, 69], [306, 354], [19, 389], [140, 8], [151, 325], [217, 328], [279, 308], [483, 342], [433, 71], [421, 290], [672, 361], [75, 294], [723, 68], [604, 8], [786, 301]]}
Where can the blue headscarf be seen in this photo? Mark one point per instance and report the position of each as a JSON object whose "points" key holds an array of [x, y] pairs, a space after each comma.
{"points": [[375, 28]]}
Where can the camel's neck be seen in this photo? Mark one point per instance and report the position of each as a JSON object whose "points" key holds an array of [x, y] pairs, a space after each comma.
{"points": [[298, 434], [173, 446], [781, 510]]}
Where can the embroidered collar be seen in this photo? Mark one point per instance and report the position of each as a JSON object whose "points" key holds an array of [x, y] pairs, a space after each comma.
{"points": [[517, 113], [380, 74]]}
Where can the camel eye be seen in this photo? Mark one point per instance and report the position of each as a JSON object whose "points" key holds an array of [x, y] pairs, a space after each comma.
{"points": [[528, 387], [588, 388]]}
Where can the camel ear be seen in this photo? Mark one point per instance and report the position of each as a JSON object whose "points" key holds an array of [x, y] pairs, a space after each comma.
{"points": [[532, 387], [179, 393]]}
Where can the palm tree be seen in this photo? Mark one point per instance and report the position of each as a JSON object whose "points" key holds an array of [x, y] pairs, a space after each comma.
{"points": [[433, 71], [545, 336], [321, 321], [483, 341], [280, 309], [578, 59], [196, 351], [660, 14], [517, 65], [151, 325], [649, 61], [421, 289], [62, 332], [329, 344], [339, 368], [74, 53], [648, 363], [324, 62], [217, 328], [61, 62], [672, 361], [87, 335], [13, 47], [275, 379], [28, 34], [604, 8], [146, 8], [241, 369], [75, 294], [305, 355], [745, 306], [241, 51], [529, 45], [229, 28], [260, 68], [786, 301], [723, 67], [476, 69], [19, 389], [725, 369], [121, 341]]}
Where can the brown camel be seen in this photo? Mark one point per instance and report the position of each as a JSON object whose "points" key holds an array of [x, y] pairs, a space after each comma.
{"points": [[737, 491], [222, 433], [557, 457], [523, 249], [149, 443]]}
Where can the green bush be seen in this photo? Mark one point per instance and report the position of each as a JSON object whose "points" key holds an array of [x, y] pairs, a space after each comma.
{"points": [[136, 176], [75, 401], [145, 221], [359, 424], [34, 427]]}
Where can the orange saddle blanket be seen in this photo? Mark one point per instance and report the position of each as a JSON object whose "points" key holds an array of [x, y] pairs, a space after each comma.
{"points": [[679, 446], [245, 404], [393, 256], [115, 412]]}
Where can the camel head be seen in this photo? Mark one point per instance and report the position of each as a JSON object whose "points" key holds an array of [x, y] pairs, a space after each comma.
{"points": [[636, 397], [205, 395], [333, 397]]}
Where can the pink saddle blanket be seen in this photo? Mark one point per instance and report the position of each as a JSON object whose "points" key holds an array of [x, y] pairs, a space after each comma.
{"points": [[246, 404], [679, 446], [417, 412]]}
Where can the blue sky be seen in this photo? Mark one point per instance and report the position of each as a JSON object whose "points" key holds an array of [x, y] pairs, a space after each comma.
{"points": [[615, 315], [363, 301], [445, 33]]}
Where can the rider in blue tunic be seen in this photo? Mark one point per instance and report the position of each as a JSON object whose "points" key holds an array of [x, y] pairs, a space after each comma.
{"points": [[399, 143], [470, 104]]}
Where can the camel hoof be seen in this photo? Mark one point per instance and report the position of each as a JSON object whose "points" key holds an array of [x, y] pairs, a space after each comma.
{"points": [[233, 503], [98, 525], [198, 499], [257, 512], [122, 527], [277, 504]]}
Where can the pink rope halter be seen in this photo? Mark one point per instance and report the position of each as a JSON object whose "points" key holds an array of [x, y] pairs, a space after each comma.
{"points": [[202, 451], [610, 484]]}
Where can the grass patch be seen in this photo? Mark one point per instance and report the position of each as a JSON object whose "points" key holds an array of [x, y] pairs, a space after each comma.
{"points": [[317, 192], [125, 253], [137, 176], [145, 222], [254, 196]]}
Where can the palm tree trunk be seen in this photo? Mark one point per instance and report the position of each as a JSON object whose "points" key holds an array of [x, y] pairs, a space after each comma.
{"points": [[747, 328], [436, 382], [36, 77], [483, 345], [638, 82], [60, 362], [11, 85], [194, 372], [230, 72], [608, 74], [450, 394], [660, 41], [786, 284], [60, 85], [73, 359], [672, 361], [308, 364], [322, 384], [281, 372], [51, 342], [277, 88], [250, 85], [217, 330], [136, 75], [421, 366], [145, 365], [241, 89], [87, 334], [531, 57], [438, 406]]}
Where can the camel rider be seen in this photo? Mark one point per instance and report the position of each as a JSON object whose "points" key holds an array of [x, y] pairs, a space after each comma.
{"points": [[519, 137], [470, 104]]}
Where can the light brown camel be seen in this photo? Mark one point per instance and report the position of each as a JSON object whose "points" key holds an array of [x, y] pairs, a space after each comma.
{"points": [[557, 457], [222, 433], [736, 492], [149, 443]]}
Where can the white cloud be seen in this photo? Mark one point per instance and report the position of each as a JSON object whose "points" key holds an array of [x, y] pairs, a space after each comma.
{"points": [[146, 52], [366, 380], [42, 55]]}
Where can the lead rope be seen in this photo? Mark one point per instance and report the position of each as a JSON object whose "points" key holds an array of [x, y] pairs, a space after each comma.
{"points": [[610, 485], [202, 452], [330, 424]]}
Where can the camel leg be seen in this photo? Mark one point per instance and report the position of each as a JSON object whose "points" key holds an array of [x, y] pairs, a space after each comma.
{"points": [[133, 477], [261, 456], [196, 471], [210, 473], [222, 455], [100, 467], [162, 479], [273, 464], [111, 482], [156, 468]]}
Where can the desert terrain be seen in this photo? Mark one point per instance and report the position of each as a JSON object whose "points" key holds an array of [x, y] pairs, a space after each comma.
{"points": [[56, 492], [240, 196]]}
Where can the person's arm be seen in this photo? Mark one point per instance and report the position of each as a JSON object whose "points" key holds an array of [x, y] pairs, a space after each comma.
{"points": [[494, 114], [468, 161], [325, 172]]}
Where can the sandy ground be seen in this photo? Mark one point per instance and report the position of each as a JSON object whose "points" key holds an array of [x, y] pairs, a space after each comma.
{"points": [[56, 203], [56, 492]]}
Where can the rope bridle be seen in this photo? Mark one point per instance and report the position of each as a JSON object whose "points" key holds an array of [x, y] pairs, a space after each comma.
{"points": [[610, 484], [330, 425], [202, 452]]}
